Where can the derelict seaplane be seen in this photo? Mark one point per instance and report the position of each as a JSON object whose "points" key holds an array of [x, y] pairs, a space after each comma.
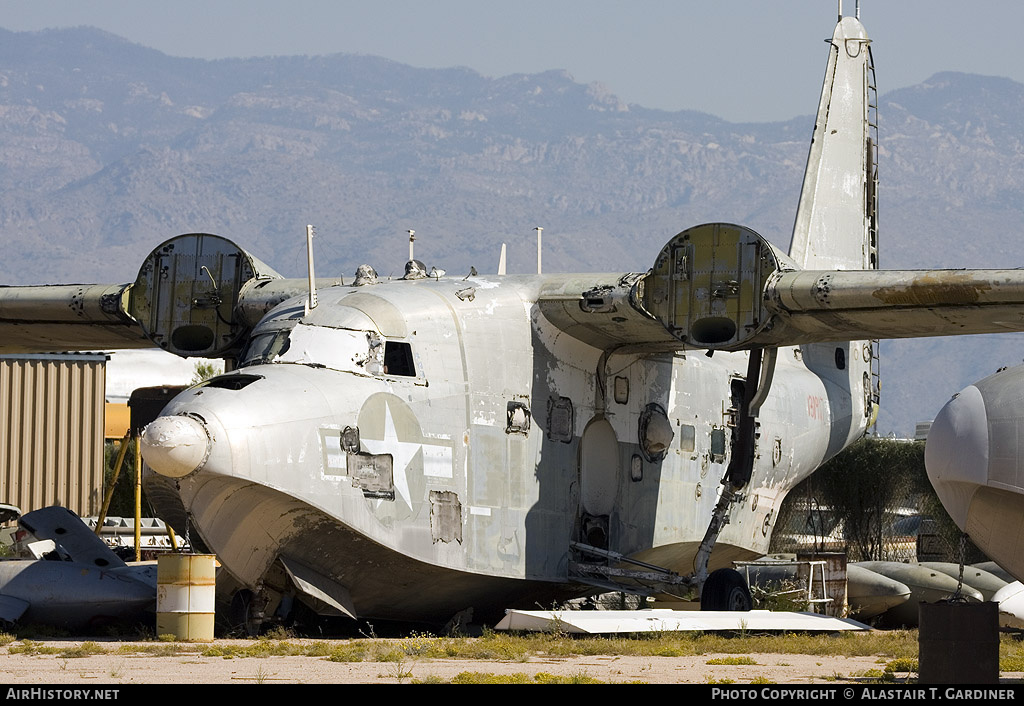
{"points": [[411, 448]]}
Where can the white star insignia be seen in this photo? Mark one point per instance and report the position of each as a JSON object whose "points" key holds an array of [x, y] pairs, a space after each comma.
{"points": [[402, 454]]}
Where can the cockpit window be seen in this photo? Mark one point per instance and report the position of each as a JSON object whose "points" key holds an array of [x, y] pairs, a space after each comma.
{"points": [[265, 347], [335, 348]]}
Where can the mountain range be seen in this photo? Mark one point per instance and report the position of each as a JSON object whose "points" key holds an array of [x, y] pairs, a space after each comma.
{"points": [[107, 148]]}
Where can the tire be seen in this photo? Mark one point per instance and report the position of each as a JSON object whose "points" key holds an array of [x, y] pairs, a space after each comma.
{"points": [[242, 618], [725, 589]]}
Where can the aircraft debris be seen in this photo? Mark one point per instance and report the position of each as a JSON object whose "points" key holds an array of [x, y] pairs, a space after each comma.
{"points": [[83, 585]]}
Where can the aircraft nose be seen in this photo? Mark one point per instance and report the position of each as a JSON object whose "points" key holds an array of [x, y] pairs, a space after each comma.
{"points": [[175, 446], [957, 452]]}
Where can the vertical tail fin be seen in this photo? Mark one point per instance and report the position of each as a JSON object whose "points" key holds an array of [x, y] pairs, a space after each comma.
{"points": [[835, 224]]}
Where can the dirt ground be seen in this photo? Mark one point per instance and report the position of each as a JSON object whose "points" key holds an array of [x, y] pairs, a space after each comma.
{"points": [[185, 668]]}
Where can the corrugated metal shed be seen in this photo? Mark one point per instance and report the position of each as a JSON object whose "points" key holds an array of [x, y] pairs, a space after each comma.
{"points": [[51, 430]]}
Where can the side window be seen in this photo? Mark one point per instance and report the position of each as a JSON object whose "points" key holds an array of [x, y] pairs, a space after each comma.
{"points": [[687, 437], [398, 359]]}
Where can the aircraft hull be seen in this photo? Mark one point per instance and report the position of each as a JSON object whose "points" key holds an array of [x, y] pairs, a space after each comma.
{"points": [[471, 474], [378, 581], [973, 457]]}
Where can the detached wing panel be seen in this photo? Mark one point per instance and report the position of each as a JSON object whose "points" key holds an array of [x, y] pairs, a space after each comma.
{"points": [[47, 318]]}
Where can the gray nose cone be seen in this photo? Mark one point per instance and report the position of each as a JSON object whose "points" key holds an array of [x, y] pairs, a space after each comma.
{"points": [[957, 452], [175, 446]]}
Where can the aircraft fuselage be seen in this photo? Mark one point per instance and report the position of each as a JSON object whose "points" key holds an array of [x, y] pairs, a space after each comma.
{"points": [[412, 435]]}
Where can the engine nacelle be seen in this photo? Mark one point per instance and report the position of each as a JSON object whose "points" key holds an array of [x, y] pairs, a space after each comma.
{"points": [[707, 285], [187, 291], [975, 461]]}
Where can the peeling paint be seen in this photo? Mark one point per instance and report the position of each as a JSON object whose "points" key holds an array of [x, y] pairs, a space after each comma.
{"points": [[445, 516], [947, 288]]}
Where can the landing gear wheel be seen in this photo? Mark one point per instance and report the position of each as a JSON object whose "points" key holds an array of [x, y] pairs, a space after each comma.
{"points": [[243, 618], [725, 589]]}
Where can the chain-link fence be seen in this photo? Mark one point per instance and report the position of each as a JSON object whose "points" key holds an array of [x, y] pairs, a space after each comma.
{"points": [[874, 502]]}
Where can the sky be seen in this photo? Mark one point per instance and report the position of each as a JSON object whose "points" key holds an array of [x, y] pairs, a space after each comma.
{"points": [[744, 60]]}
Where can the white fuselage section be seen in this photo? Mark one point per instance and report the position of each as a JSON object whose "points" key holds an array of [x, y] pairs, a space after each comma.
{"points": [[489, 440]]}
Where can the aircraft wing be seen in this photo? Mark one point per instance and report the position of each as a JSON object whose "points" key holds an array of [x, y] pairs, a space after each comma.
{"points": [[40, 319], [196, 294], [807, 306], [724, 287]]}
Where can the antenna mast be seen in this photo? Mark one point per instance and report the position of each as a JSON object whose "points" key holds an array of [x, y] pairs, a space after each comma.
{"points": [[412, 238], [539, 231], [311, 302]]}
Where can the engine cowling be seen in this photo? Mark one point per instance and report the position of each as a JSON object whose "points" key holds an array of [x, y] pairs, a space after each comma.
{"points": [[707, 285], [187, 291], [975, 463]]}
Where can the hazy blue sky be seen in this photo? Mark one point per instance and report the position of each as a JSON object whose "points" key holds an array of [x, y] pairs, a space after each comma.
{"points": [[741, 59]]}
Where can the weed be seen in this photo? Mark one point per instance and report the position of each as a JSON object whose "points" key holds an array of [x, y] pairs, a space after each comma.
{"points": [[761, 680], [489, 678], [217, 651], [902, 664], [400, 670], [162, 650], [261, 675], [352, 652], [86, 649], [117, 672], [520, 678], [712, 680], [33, 648], [430, 679], [6, 638], [419, 644], [582, 678], [731, 660], [556, 627], [391, 655], [167, 637], [279, 632]]}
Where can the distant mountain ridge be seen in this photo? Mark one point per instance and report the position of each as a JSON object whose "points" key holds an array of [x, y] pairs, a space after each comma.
{"points": [[108, 147]]}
